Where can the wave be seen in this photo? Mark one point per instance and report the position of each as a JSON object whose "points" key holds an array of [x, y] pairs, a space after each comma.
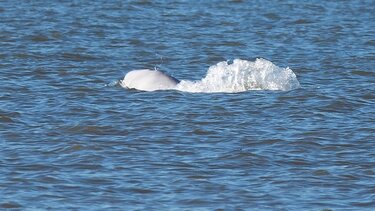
{"points": [[241, 76]]}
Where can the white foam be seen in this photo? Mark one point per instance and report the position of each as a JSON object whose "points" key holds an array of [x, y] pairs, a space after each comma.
{"points": [[242, 75]]}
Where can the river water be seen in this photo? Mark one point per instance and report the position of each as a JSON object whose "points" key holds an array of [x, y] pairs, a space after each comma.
{"points": [[297, 133]]}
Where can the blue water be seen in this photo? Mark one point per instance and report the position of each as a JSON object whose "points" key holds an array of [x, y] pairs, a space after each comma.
{"points": [[71, 137]]}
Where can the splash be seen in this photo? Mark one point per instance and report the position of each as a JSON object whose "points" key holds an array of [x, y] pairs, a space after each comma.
{"points": [[243, 75]]}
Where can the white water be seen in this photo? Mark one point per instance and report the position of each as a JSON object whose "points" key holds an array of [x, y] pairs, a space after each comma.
{"points": [[243, 75]]}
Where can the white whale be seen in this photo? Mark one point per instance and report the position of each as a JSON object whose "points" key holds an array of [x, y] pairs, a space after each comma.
{"points": [[148, 80]]}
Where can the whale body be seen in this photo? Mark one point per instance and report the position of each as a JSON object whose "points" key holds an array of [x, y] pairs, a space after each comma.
{"points": [[148, 80]]}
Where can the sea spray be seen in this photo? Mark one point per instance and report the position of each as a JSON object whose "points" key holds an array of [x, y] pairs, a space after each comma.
{"points": [[243, 75]]}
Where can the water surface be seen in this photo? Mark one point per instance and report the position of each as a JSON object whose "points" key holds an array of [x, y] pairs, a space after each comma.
{"points": [[72, 138]]}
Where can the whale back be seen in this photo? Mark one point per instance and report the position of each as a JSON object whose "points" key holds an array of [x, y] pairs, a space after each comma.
{"points": [[148, 80]]}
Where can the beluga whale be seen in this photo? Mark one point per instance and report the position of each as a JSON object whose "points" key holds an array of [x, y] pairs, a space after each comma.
{"points": [[148, 80]]}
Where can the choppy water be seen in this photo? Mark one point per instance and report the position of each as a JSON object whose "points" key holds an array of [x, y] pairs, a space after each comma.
{"points": [[71, 137]]}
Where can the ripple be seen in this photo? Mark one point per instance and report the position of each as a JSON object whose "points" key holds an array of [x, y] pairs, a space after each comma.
{"points": [[363, 73], [370, 43], [6, 119], [321, 172], [303, 21], [78, 57], [141, 191], [10, 205], [203, 132], [272, 16], [39, 38]]}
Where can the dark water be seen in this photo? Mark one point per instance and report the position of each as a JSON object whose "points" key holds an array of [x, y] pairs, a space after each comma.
{"points": [[72, 138]]}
